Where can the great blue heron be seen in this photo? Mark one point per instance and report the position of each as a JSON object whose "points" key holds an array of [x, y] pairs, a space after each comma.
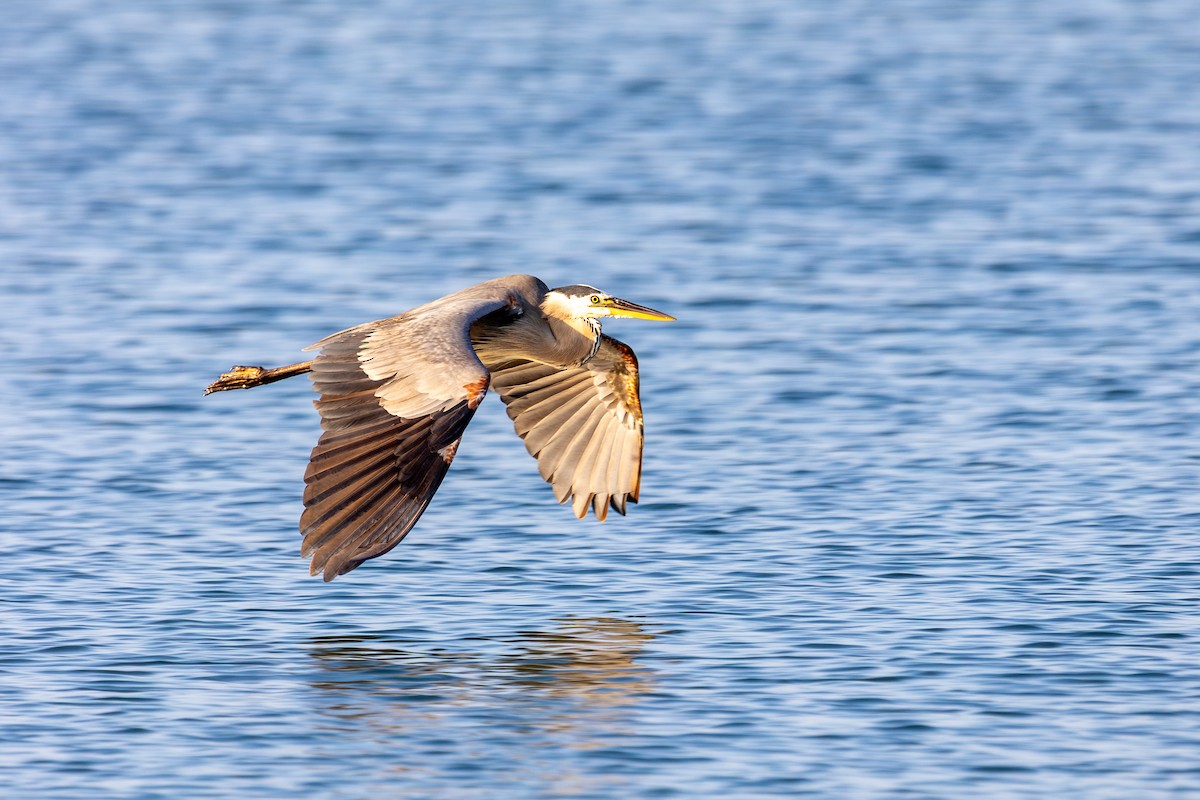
{"points": [[397, 394]]}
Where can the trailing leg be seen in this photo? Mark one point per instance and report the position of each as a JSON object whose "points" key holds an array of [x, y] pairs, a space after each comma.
{"points": [[249, 377]]}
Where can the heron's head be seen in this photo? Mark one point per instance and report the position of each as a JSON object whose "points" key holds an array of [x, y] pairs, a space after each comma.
{"points": [[580, 301]]}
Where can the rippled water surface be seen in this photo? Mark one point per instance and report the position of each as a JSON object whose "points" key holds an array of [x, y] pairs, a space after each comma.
{"points": [[920, 502]]}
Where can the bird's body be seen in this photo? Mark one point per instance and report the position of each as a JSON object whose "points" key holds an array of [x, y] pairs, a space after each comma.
{"points": [[397, 394]]}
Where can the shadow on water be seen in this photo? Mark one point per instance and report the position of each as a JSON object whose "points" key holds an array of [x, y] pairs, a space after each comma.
{"points": [[572, 686]]}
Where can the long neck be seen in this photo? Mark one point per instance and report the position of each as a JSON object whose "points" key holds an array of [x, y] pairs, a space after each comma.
{"points": [[577, 338], [536, 337]]}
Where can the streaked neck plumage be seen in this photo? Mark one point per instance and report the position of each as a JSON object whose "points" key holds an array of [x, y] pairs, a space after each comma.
{"points": [[564, 311], [577, 339]]}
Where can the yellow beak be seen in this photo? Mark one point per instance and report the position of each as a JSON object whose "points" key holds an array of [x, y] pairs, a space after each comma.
{"points": [[624, 308]]}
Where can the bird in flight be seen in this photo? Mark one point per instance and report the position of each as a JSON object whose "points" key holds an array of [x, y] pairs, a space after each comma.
{"points": [[397, 394]]}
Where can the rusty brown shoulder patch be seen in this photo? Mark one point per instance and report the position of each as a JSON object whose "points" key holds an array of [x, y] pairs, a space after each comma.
{"points": [[476, 390], [447, 453]]}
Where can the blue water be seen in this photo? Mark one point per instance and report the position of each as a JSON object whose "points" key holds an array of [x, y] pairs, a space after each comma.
{"points": [[922, 483]]}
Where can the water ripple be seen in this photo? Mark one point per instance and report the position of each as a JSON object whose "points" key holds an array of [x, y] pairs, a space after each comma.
{"points": [[919, 500]]}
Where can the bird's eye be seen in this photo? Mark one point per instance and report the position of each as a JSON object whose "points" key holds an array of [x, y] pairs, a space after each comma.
{"points": [[595, 299]]}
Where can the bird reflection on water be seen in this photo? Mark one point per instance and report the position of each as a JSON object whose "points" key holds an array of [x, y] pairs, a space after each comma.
{"points": [[573, 686]]}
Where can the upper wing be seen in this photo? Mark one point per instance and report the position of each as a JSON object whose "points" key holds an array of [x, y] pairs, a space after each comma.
{"points": [[582, 424], [396, 396]]}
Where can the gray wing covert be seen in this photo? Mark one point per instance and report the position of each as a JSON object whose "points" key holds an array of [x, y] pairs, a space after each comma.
{"points": [[396, 396], [582, 424]]}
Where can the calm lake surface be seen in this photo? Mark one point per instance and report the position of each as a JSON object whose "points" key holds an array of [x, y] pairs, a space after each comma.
{"points": [[922, 482]]}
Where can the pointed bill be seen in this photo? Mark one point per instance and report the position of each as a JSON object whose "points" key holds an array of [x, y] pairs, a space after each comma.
{"points": [[624, 308]]}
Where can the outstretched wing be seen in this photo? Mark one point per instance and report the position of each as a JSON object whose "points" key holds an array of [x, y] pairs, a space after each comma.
{"points": [[582, 424], [396, 396]]}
